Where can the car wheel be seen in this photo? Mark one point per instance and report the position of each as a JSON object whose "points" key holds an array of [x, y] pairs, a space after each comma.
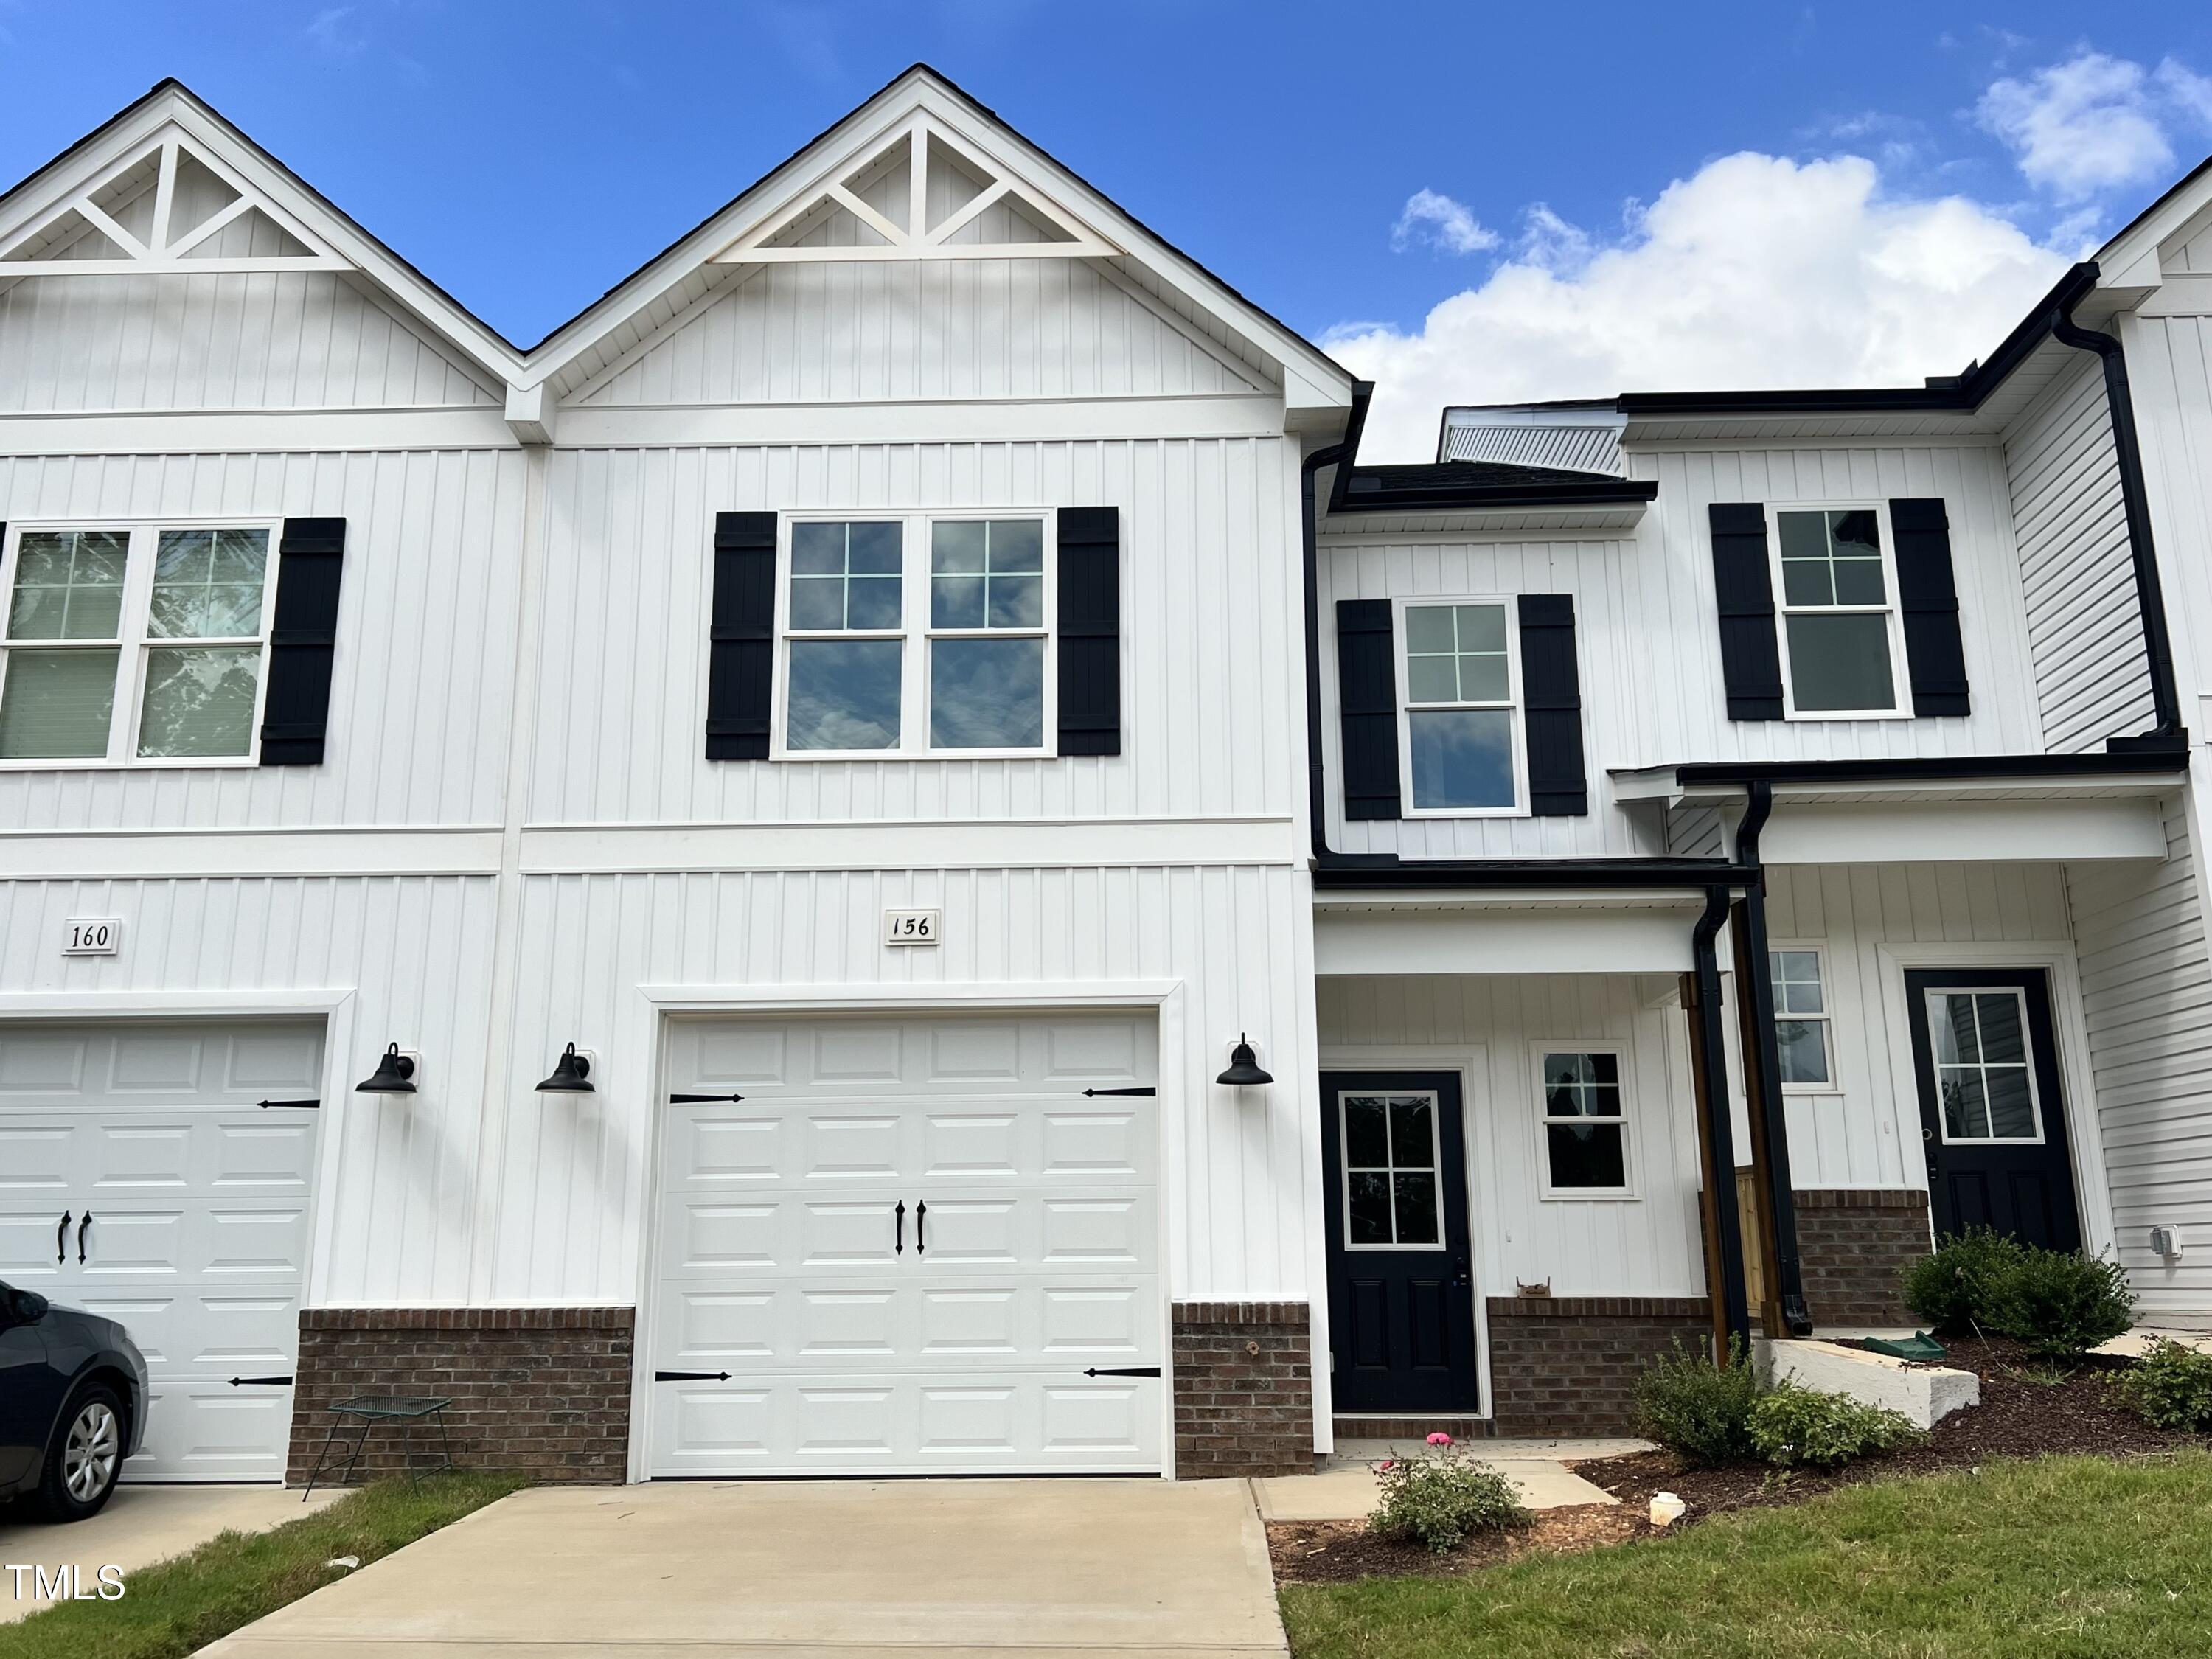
{"points": [[87, 1456]]}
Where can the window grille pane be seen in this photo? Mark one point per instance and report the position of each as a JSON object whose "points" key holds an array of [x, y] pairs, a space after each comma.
{"points": [[1965, 1112], [199, 700], [1432, 679], [955, 547], [1368, 1220], [817, 550], [1840, 662], [1481, 627], [1429, 630], [818, 601], [844, 694], [1858, 581], [2004, 1042], [1366, 1138], [1485, 679], [1017, 546], [1016, 601], [1416, 1208], [69, 584], [1856, 535], [1807, 581], [986, 694], [1586, 1156], [56, 705], [872, 550], [1461, 757], [872, 601], [1951, 1023], [1412, 1138], [1804, 535]]}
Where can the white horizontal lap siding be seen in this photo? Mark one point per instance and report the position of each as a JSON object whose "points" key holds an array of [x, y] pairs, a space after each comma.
{"points": [[1644, 1246], [980, 328], [238, 340], [1688, 718], [2085, 627], [1211, 653], [1857, 1136], [395, 1180], [423, 679], [566, 1178], [2147, 994], [1615, 592]]}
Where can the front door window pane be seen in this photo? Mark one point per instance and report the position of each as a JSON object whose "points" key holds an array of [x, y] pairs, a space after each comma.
{"points": [[57, 705], [844, 695], [1984, 1083], [1392, 1174]]}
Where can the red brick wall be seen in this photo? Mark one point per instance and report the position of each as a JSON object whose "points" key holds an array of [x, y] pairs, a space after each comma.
{"points": [[1854, 1247], [1562, 1364], [544, 1390], [1243, 1389]]}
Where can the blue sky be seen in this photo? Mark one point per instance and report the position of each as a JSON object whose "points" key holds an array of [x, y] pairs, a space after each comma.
{"points": [[1472, 200]]}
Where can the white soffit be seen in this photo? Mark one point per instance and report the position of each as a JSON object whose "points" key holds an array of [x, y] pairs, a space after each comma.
{"points": [[2067, 830], [1652, 938]]}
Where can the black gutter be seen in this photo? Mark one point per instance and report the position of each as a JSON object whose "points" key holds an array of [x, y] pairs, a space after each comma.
{"points": [[1758, 991], [1567, 492], [1720, 1135], [2135, 503], [1940, 769]]}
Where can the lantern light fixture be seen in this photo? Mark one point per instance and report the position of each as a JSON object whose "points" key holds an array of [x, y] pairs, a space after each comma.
{"points": [[1244, 1070], [572, 1075], [394, 1074]]}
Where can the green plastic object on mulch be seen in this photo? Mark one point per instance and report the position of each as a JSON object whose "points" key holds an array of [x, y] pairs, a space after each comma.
{"points": [[1919, 1346]]}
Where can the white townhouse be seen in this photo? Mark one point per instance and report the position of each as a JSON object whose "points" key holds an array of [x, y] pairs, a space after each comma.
{"points": [[884, 856]]}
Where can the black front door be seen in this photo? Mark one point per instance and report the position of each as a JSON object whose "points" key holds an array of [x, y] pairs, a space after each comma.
{"points": [[1991, 1114], [1400, 1297]]}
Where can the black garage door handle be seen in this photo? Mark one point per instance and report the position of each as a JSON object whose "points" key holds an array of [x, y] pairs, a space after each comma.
{"points": [[61, 1238]]}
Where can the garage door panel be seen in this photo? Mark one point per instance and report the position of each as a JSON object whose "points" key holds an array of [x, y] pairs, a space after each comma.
{"points": [[211, 1431], [952, 1337], [26, 1245], [262, 1157]]}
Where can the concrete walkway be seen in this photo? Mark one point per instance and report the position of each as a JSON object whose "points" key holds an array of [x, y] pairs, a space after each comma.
{"points": [[955, 1569], [140, 1525], [1540, 1470]]}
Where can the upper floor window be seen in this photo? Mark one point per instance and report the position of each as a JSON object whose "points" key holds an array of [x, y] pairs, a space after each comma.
{"points": [[916, 635], [1841, 638], [1460, 703], [139, 644]]}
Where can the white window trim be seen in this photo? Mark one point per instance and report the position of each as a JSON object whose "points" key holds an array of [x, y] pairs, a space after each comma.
{"points": [[1900, 670], [1516, 708], [132, 639], [915, 631], [1819, 951], [1626, 1192], [2042, 1135], [1436, 1165]]}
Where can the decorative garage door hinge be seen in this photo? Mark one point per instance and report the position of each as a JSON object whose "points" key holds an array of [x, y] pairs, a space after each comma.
{"points": [[306, 1105], [1124, 1370], [1146, 1090], [271, 1382], [701, 1100], [691, 1377]]}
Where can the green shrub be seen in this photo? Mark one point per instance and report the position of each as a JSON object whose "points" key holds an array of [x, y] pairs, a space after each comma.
{"points": [[1950, 1289], [1792, 1425], [1443, 1500], [1695, 1408], [2172, 1387], [2061, 1303]]}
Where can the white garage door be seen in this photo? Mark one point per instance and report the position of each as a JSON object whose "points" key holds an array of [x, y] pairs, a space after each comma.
{"points": [[906, 1245], [140, 1179]]}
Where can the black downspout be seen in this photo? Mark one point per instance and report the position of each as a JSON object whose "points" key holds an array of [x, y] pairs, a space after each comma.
{"points": [[1759, 991], [1720, 1133], [2169, 734], [1309, 521]]}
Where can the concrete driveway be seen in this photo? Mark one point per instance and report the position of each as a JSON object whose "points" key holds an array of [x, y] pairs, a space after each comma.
{"points": [[959, 1568]]}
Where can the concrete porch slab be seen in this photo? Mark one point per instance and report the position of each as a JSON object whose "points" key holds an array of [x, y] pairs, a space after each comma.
{"points": [[1069, 1569], [2133, 1344], [1345, 1490], [140, 1525]]}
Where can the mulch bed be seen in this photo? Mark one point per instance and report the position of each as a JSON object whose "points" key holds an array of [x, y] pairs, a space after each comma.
{"points": [[2022, 1413]]}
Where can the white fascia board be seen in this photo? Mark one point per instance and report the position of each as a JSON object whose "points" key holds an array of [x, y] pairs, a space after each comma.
{"points": [[1516, 942], [2133, 253], [1966, 832]]}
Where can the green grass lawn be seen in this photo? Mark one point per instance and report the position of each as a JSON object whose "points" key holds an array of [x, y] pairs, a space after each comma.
{"points": [[174, 1609], [2060, 1559]]}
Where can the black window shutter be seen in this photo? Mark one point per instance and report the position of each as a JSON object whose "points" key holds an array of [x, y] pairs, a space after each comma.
{"points": [[1928, 596], [296, 715], [1751, 661], [1089, 540], [1367, 707], [741, 636], [1551, 700]]}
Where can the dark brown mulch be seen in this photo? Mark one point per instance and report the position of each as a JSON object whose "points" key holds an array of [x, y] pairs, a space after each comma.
{"points": [[2019, 1416], [1337, 1551]]}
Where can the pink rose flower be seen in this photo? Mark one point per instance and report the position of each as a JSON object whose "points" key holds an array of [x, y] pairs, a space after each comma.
{"points": [[1440, 1439]]}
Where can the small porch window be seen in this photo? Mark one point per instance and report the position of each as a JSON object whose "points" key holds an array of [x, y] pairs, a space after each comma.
{"points": [[1585, 1125], [1801, 1020]]}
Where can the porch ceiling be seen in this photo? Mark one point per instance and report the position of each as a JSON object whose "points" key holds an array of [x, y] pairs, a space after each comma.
{"points": [[1562, 932]]}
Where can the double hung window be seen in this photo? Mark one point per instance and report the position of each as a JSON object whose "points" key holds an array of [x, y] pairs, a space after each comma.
{"points": [[134, 644], [1801, 1020], [1461, 700], [1585, 1123], [1841, 637], [917, 635]]}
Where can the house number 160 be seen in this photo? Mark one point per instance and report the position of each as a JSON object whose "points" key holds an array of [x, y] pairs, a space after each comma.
{"points": [[92, 936]]}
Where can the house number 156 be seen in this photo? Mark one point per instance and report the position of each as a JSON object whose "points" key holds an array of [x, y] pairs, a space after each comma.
{"points": [[910, 926]]}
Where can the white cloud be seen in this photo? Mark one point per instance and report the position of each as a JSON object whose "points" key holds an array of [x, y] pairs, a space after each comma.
{"points": [[2082, 126], [1756, 271], [2191, 92], [1435, 219]]}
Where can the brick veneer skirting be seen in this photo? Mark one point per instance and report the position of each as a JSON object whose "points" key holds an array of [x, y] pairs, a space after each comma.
{"points": [[1243, 1389], [1568, 1364], [1853, 1247], [544, 1390]]}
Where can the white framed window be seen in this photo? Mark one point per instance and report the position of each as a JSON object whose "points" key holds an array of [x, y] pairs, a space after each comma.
{"points": [[1842, 633], [1392, 1169], [1801, 1036], [916, 634], [136, 643], [1460, 741], [1582, 1093], [1985, 1081]]}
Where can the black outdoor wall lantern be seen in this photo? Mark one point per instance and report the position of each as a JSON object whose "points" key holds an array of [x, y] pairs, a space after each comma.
{"points": [[394, 1074], [1245, 1071], [572, 1075]]}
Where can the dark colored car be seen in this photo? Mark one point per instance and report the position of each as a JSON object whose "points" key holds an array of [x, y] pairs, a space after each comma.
{"points": [[72, 1404]]}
